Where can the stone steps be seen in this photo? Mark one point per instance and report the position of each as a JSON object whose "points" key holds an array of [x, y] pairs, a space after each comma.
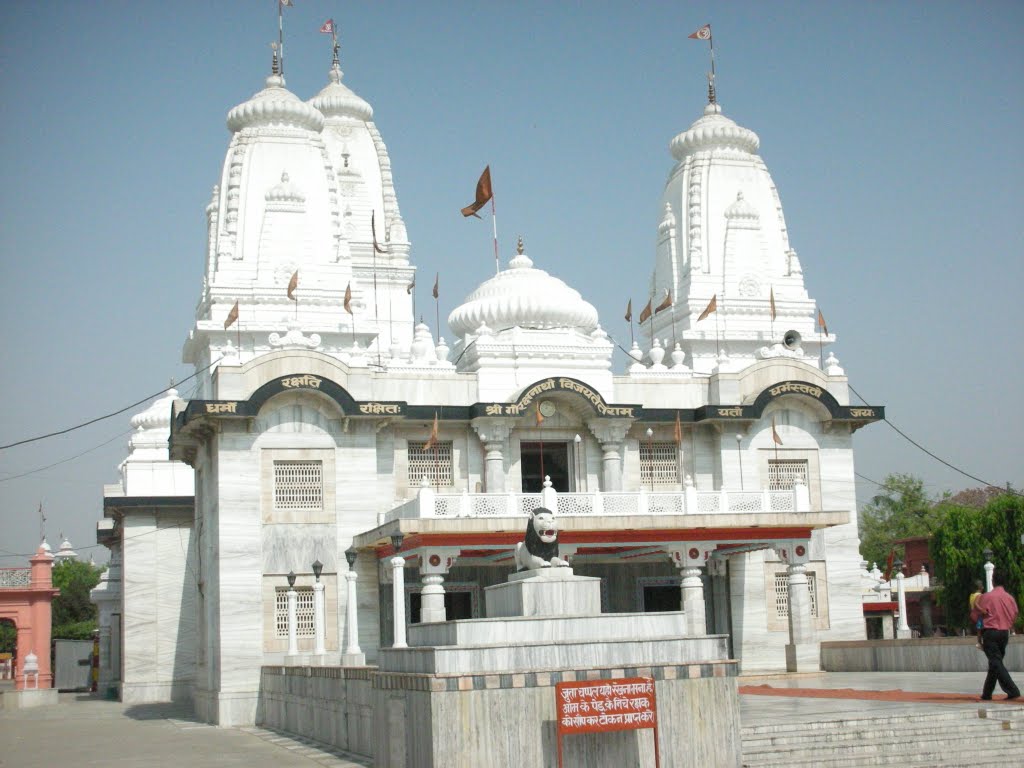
{"points": [[957, 737]]}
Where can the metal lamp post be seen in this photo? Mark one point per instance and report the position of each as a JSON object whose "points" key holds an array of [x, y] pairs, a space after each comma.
{"points": [[353, 653], [319, 610], [990, 568], [293, 602]]}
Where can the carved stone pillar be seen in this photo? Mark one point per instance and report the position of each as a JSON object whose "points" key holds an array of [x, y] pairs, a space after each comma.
{"points": [[689, 559], [398, 598], [494, 435], [803, 653], [610, 433], [435, 565], [354, 655]]}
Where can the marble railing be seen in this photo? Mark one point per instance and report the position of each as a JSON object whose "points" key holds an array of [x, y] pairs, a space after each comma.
{"points": [[429, 503], [15, 577]]}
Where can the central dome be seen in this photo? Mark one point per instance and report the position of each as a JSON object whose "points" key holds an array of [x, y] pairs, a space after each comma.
{"points": [[526, 297]]}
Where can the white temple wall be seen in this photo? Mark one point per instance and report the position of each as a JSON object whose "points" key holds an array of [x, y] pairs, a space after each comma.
{"points": [[159, 614]]}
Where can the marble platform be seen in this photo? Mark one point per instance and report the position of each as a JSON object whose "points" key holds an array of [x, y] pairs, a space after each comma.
{"points": [[555, 591]]}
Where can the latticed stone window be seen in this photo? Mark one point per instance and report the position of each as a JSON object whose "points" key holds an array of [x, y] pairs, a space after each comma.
{"points": [[304, 626], [782, 594], [783, 474], [298, 485], [434, 462], [659, 464]]}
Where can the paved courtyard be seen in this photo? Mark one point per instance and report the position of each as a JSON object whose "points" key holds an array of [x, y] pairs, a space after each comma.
{"points": [[86, 731]]}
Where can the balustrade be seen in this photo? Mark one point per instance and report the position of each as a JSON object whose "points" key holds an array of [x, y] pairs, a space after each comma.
{"points": [[690, 501]]}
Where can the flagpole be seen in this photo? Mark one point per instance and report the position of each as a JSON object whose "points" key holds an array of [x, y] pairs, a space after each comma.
{"points": [[718, 348], [280, 32], [494, 227], [821, 343], [376, 312], [632, 341], [437, 307]]}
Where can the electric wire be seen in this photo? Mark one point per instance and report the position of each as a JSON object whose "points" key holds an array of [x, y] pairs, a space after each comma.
{"points": [[107, 416]]}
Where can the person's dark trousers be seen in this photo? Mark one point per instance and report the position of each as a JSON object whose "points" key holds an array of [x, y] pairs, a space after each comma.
{"points": [[994, 643]]}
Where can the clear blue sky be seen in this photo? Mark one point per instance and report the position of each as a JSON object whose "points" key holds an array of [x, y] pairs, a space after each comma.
{"points": [[893, 132]]}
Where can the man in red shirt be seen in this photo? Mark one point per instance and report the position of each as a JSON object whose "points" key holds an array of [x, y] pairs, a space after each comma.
{"points": [[997, 610]]}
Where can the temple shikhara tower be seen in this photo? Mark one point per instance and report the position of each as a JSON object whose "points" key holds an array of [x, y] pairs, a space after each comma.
{"points": [[712, 476]]}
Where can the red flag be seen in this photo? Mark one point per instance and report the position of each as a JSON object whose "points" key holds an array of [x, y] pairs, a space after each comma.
{"points": [[704, 33], [328, 27], [408, 288], [645, 312], [821, 322], [771, 299], [540, 416], [629, 311], [711, 307], [678, 432], [483, 194], [432, 441], [292, 285], [348, 297], [775, 435], [665, 304], [437, 277], [232, 317], [373, 230]]}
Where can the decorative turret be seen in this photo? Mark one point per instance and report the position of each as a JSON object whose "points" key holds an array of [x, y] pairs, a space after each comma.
{"points": [[722, 234]]}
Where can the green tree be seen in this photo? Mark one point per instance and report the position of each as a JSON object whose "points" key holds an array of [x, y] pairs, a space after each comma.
{"points": [[74, 616], [902, 509], [958, 545], [8, 637]]}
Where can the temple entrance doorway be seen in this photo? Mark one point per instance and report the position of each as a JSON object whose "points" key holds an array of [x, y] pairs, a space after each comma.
{"points": [[551, 458]]}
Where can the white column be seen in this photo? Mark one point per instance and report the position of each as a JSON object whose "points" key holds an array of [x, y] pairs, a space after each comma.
{"points": [[902, 628], [493, 434], [293, 603], [432, 599], [990, 568], [693, 602], [803, 653], [354, 655], [319, 615], [611, 467], [398, 594]]}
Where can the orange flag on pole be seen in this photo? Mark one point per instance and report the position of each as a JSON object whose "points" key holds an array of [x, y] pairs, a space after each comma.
{"points": [[348, 298], [292, 285], [645, 312], [712, 307], [540, 416], [771, 300], [665, 304], [775, 435], [232, 317], [821, 322], [678, 432], [437, 282], [432, 442], [373, 230], [629, 311], [483, 194]]}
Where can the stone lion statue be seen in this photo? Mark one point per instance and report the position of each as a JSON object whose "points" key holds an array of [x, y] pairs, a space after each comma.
{"points": [[540, 549]]}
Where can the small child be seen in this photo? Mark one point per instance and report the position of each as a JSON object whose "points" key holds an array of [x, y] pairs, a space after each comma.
{"points": [[979, 588]]}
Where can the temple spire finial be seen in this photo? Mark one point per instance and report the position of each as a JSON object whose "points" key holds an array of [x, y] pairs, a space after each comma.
{"points": [[519, 246], [275, 66]]}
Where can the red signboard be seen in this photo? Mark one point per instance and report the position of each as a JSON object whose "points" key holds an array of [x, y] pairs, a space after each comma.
{"points": [[596, 706]]}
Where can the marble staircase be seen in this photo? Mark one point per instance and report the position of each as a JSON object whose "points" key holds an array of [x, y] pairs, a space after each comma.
{"points": [[991, 736]]}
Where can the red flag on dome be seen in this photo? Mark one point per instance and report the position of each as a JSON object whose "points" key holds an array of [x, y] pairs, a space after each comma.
{"points": [[437, 279], [328, 27], [711, 307], [540, 416], [704, 33], [292, 285], [348, 297], [232, 317], [821, 322], [483, 194]]}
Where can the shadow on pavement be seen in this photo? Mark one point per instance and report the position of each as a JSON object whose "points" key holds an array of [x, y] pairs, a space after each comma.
{"points": [[161, 711]]}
